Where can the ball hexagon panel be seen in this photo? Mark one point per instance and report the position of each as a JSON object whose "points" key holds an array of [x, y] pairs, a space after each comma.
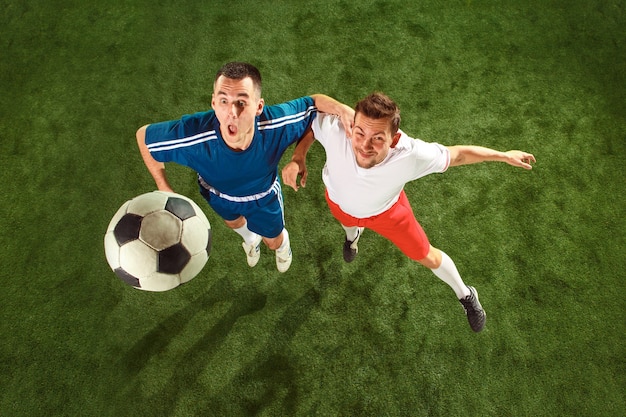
{"points": [[194, 266], [148, 203], [200, 214], [200, 239], [112, 250], [138, 259], [160, 229], [157, 281]]}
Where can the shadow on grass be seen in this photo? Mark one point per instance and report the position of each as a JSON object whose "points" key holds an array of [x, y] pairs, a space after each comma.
{"points": [[272, 369], [268, 380], [245, 301]]}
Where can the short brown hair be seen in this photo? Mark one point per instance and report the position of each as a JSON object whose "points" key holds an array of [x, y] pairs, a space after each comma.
{"points": [[379, 106], [239, 71]]}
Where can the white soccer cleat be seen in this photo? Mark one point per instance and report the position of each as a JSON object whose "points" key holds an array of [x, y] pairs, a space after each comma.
{"points": [[284, 257], [253, 252]]}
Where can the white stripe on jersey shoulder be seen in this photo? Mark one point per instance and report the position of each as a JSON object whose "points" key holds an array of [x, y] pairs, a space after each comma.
{"points": [[285, 120], [182, 142]]}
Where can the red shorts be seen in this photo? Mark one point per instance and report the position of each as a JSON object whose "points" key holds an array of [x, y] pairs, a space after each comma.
{"points": [[398, 224]]}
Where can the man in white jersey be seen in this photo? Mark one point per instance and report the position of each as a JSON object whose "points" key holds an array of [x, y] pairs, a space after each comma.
{"points": [[365, 176], [235, 148]]}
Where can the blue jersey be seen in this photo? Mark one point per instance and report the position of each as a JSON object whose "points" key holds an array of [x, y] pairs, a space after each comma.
{"points": [[195, 141]]}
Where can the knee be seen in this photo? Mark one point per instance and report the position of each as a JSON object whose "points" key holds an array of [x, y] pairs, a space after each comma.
{"points": [[274, 243], [432, 259], [237, 223]]}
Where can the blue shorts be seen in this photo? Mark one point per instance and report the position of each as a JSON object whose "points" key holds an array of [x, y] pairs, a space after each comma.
{"points": [[265, 216]]}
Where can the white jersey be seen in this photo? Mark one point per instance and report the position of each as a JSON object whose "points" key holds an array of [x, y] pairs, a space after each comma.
{"points": [[367, 192]]}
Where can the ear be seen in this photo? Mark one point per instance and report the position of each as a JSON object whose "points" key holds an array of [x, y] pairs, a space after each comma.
{"points": [[395, 140], [260, 106]]}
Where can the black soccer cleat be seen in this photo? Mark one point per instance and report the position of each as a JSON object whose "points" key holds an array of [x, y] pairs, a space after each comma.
{"points": [[474, 311], [349, 253], [350, 248]]}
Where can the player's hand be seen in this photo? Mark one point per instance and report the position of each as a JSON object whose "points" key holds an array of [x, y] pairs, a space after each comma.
{"points": [[347, 119], [520, 159], [290, 174]]}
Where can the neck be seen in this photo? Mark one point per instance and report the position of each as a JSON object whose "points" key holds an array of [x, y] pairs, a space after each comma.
{"points": [[241, 143]]}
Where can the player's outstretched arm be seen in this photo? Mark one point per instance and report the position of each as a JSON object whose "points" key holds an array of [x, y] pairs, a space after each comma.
{"points": [[467, 154], [156, 168], [297, 165], [329, 105]]}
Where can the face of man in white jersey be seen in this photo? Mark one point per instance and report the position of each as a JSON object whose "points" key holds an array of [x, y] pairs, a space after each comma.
{"points": [[372, 139], [236, 104]]}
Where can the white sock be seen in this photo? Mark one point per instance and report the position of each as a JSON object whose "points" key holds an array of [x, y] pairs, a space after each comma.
{"points": [[283, 246], [248, 236], [448, 273], [352, 232]]}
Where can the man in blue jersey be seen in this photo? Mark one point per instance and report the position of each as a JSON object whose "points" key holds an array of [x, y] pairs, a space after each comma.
{"points": [[235, 148]]}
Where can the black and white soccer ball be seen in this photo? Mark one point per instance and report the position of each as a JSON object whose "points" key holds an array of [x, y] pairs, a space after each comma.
{"points": [[157, 241]]}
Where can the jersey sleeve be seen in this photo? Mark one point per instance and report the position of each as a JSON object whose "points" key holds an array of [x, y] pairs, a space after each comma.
{"points": [[303, 107], [281, 125], [429, 157], [292, 118], [328, 127], [167, 141]]}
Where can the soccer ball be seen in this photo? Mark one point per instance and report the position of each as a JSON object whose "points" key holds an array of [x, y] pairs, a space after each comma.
{"points": [[157, 241]]}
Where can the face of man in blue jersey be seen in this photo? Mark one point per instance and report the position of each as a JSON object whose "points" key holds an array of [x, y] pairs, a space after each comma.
{"points": [[372, 139], [236, 104]]}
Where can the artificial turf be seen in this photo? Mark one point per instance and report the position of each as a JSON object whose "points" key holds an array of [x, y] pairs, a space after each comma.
{"points": [[381, 336]]}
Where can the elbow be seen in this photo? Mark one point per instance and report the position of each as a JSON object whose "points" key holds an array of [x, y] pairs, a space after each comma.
{"points": [[457, 158], [454, 155], [141, 133], [141, 137]]}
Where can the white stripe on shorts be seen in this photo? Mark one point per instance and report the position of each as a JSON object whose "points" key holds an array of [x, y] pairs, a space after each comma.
{"points": [[237, 199]]}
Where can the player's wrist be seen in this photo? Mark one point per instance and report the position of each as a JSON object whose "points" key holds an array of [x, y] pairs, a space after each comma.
{"points": [[297, 159]]}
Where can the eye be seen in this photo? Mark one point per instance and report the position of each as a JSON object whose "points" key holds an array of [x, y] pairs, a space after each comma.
{"points": [[241, 103], [223, 101]]}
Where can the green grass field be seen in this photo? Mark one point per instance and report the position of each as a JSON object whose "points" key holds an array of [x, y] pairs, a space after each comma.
{"points": [[381, 336]]}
